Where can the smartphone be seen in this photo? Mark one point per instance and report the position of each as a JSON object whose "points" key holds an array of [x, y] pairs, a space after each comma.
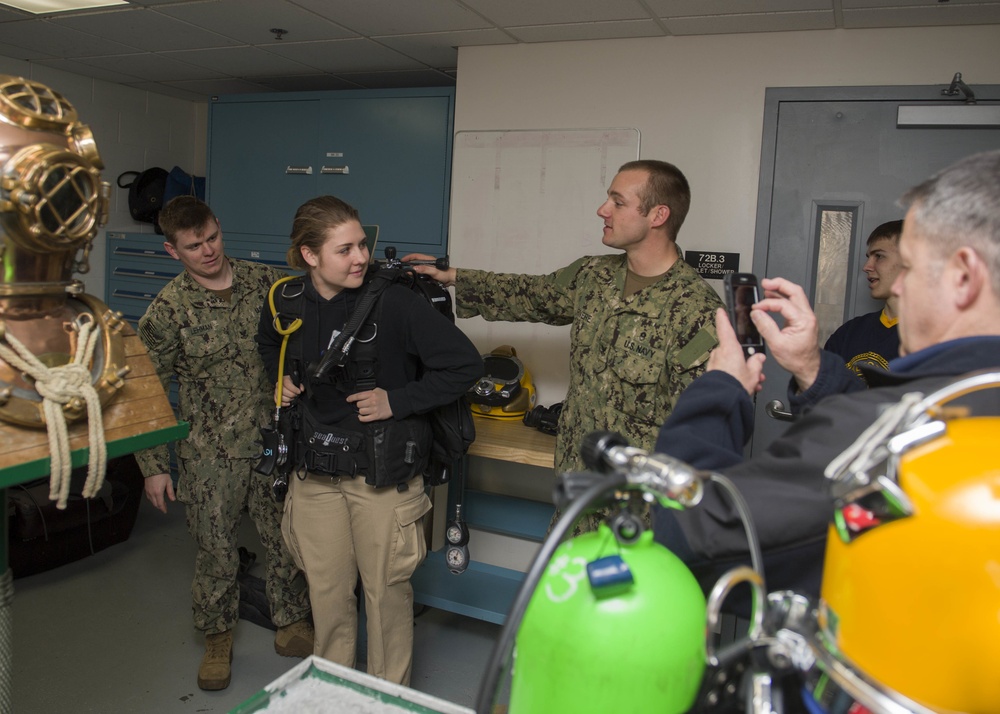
{"points": [[741, 294]]}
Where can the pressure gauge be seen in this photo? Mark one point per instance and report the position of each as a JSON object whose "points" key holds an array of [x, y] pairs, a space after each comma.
{"points": [[456, 533], [457, 557]]}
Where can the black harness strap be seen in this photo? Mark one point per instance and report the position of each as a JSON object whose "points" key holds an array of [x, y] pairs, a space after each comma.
{"points": [[339, 351]]}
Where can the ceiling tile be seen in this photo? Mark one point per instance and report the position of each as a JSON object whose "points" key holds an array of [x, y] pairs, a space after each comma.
{"points": [[440, 49], [686, 8], [958, 14], [306, 83], [250, 21], [557, 12], [241, 61], [387, 80], [90, 70], [763, 22], [144, 29], [218, 87], [392, 17], [161, 3], [9, 13], [854, 4], [155, 67], [56, 40], [588, 31], [170, 91], [339, 56], [21, 53]]}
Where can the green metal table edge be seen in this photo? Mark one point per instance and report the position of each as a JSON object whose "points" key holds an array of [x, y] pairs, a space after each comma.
{"points": [[14, 475]]}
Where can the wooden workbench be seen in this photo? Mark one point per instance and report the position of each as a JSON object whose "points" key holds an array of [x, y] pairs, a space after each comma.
{"points": [[138, 417], [510, 440]]}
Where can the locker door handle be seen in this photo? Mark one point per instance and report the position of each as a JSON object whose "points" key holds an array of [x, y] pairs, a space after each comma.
{"points": [[776, 410], [335, 169], [304, 170]]}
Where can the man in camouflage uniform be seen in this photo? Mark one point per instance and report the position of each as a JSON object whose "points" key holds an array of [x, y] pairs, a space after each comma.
{"points": [[643, 321], [200, 329]]}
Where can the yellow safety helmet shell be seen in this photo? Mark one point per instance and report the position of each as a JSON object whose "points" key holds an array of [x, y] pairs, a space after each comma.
{"points": [[506, 391], [915, 603]]}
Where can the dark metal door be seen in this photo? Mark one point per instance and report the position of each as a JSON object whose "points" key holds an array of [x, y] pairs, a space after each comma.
{"points": [[833, 164]]}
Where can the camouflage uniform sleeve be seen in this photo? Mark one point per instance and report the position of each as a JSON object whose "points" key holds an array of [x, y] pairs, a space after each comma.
{"points": [[159, 331], [518, 298], [695, 337], [270, 276]]}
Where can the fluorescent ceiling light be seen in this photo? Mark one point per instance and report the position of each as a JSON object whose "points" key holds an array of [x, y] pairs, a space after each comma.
{"points": [[949, 115], [40, 7]]}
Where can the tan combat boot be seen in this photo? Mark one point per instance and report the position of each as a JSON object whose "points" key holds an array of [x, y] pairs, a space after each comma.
{"points": [[295, 640], [214, 672]]}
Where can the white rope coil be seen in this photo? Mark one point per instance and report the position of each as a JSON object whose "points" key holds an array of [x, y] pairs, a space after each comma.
{"points": [[59, 386]]}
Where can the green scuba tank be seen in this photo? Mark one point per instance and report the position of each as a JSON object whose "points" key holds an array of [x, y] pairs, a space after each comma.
{"points": [[611, 627]]}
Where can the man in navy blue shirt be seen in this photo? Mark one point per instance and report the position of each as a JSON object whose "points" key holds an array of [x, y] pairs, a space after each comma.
{"points": [[872, 340]]}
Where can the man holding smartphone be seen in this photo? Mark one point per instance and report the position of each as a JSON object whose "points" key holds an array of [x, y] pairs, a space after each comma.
{"points": [[948, 293]]}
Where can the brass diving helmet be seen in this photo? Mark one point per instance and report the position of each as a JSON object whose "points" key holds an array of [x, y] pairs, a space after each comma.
{"points": [[52, 202]]}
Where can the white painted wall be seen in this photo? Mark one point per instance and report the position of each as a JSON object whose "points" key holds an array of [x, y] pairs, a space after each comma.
{"points": [[698, 102], [134, 130]]}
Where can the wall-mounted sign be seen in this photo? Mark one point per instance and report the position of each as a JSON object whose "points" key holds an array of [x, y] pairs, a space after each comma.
{"points": [[712, 264]]}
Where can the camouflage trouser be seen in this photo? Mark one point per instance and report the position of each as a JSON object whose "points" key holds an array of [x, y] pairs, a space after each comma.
{"points": [[216, 493], [590, 521]]}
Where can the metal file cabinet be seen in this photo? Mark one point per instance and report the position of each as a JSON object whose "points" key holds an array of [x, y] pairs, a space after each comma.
{"points": [[138, 266], [137, 269], [386, 152]]}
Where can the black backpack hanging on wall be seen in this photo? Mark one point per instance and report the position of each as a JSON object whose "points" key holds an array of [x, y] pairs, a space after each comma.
{"points": [[181, 183], [145, 194]]}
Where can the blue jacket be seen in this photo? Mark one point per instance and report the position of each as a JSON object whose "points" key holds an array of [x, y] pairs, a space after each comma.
{"points": [[784, 486]]}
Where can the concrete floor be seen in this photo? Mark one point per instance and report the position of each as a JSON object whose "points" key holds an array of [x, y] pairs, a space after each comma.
{"points": [[112, 633]]}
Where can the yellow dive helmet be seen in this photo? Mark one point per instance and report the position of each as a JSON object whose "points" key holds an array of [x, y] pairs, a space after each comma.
{"points": [[505, 390], [910, 606]]}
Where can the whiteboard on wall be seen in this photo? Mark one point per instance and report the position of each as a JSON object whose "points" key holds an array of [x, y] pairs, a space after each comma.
{"points": [[525, 201]]}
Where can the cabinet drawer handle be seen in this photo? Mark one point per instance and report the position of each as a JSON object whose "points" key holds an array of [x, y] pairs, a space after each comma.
{"points": [[140, 252], [134, 295], [153, 274], [335, 169], [304, 170]]}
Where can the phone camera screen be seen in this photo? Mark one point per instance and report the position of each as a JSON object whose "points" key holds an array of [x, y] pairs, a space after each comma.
{"points": [[744, 298]]}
